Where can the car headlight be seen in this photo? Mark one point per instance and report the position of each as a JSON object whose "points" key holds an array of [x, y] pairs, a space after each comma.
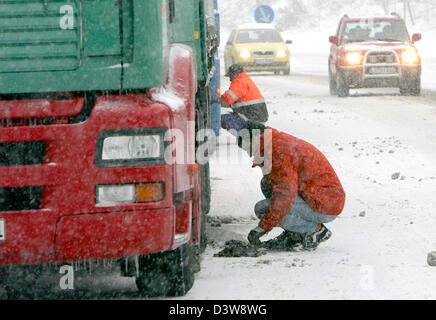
{"points": [[281, 53], [130, 147], [410, 56], [245, 54], [353, 58]]}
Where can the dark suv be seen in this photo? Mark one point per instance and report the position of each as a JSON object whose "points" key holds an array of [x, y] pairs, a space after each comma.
{"points": [[372, 53]]}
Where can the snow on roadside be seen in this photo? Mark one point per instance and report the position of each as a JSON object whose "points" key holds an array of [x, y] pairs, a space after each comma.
{"points": [[380, 242]]}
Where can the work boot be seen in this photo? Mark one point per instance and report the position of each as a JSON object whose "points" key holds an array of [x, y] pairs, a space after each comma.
{"points": [[284, 242], [311, 241]]}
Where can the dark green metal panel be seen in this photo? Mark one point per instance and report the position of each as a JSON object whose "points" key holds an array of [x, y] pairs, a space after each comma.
{"points": [[186, 29], [101, 32], [189, 28], [148, 62], [82, 45], [31, 38]]}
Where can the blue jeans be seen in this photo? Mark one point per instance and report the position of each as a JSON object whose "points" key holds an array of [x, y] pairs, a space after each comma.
{"points": [[300, 219], [231, 121]]}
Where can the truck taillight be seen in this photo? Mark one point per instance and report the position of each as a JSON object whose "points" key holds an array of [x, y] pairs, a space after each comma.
{"points": [[218, 91]]}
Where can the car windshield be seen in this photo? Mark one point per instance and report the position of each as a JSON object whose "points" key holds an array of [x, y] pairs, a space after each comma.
{"points": [[258, 35], [375, 30]]}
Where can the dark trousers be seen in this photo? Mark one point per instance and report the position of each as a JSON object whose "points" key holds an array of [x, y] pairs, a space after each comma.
{"points": [[231, 121]]}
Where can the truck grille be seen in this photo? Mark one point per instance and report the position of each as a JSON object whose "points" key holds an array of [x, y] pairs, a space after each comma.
{"points": [[19, 199], [22, 153], [39, 35]]}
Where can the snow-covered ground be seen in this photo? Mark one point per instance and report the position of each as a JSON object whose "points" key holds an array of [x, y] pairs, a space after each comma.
{"points": [[380, 242]]}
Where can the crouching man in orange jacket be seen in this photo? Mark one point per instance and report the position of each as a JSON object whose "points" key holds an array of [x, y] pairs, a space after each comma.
{"points": [[301, 188], [245, 100]]}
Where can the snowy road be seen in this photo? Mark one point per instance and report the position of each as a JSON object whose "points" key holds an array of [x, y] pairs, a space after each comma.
{"points": [[380, 243]]}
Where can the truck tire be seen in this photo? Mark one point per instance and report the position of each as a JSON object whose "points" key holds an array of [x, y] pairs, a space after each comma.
{"points": [[167, 274], [205, 188], [205, 204], [343, 88], [19, 283]]}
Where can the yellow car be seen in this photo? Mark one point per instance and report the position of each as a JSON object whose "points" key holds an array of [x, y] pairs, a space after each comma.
{"points": [[257, 48]]}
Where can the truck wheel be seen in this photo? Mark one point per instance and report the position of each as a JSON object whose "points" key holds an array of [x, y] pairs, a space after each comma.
{"points": [[20, 282], [203, 233], [205, 203], [166, 274], [343, 87], [287, 72], [205, 188]]}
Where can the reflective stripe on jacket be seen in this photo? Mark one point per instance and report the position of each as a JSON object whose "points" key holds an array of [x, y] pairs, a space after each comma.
{"points": [[246, 99], [297, 168]]}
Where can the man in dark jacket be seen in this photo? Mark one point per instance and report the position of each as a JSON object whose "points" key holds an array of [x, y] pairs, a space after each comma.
{"points": [[244, 98], [302, 192]]}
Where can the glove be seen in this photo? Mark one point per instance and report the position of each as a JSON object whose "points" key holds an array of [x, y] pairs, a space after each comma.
{"points": [[254, 236]]}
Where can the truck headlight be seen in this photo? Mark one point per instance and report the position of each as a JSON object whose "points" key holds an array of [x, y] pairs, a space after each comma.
{"points": [[245, 54], [281, 53], [410, 56], [353, 58], [130, 147]]}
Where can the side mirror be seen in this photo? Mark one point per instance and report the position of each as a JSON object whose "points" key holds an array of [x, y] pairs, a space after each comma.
{"points": [[416, 37], [333, 40], [288, 41]]}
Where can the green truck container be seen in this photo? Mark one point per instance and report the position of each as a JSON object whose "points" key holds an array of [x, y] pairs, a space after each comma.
{"points": [[85, 45]]}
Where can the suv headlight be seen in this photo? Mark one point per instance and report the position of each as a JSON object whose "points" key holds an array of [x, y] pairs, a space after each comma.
{"points": [[410, 56], [353, 58], [130, 147]]}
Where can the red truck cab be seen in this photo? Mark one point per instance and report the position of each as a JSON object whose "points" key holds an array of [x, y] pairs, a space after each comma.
{"points": [[374, 52]]}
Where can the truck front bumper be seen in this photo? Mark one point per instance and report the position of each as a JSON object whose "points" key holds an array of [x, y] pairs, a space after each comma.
{"points": [[104, 235]]}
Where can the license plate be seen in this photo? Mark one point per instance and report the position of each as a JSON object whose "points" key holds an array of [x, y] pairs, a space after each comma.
{"points": [[2, 230], [383, 70], [263, 61]]}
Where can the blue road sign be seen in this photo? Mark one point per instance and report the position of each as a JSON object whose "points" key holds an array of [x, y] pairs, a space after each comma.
{"points": [[264, 14]]}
